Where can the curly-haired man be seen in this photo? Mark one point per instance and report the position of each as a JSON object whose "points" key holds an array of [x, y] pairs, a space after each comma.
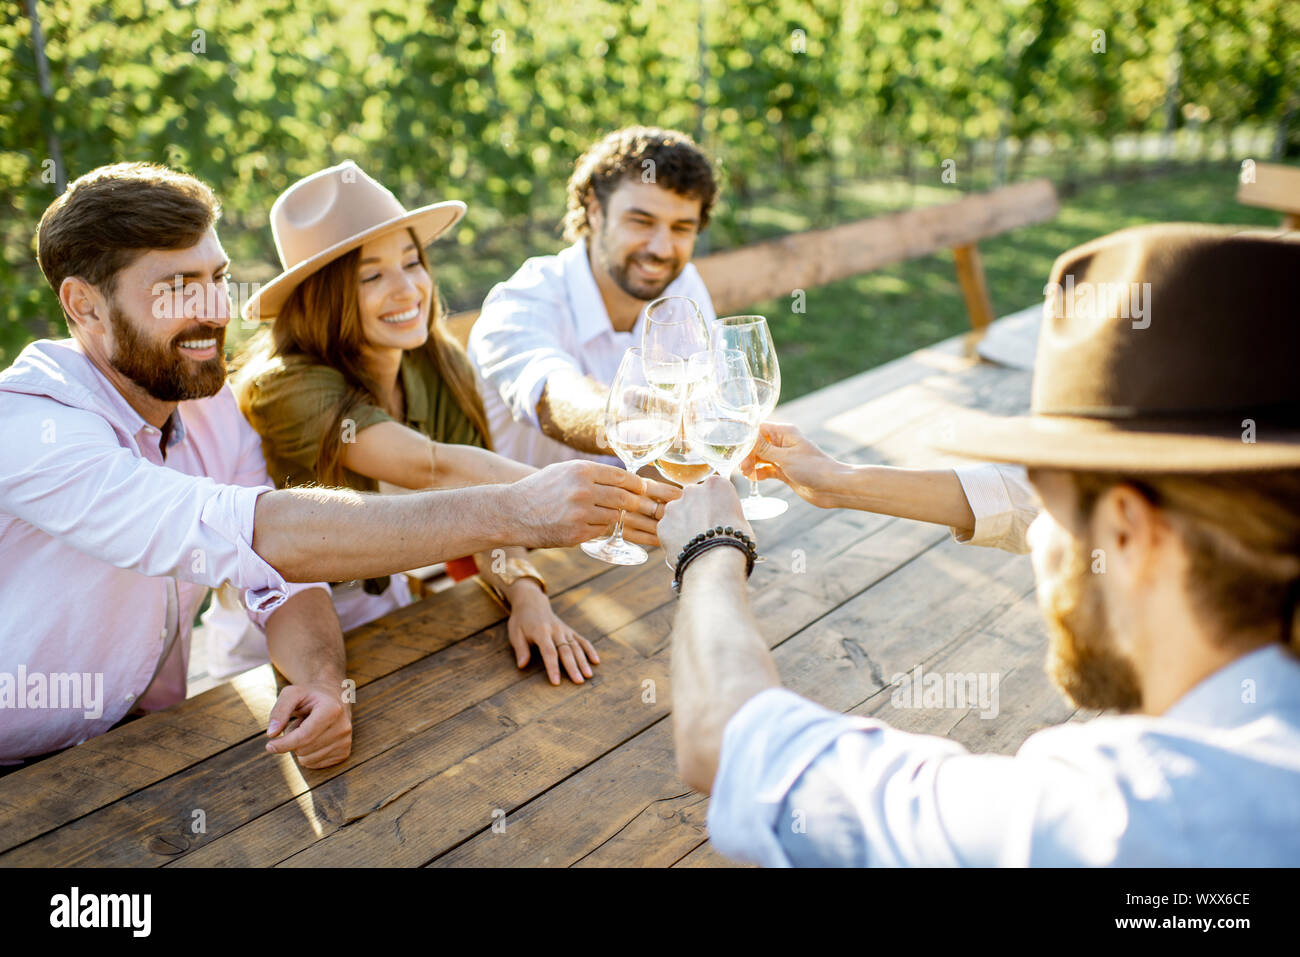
{"points": [[549, 339]]}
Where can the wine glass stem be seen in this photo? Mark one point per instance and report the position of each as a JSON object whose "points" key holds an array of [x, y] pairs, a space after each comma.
{"points": [[753, 488], [617, 537]]}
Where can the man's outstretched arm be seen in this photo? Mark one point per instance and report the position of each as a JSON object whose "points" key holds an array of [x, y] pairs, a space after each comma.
{"points": [[518, 349], [781, 794], [311, 534], [719, 658]]}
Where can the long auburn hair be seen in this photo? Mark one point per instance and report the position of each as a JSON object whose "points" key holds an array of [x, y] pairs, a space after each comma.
{"points": [[322, 319]]}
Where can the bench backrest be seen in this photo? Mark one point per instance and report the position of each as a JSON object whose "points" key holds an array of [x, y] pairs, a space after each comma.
{"points": [[1273, 187]]}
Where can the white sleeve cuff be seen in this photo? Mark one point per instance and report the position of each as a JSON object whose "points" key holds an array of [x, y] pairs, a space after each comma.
{"points": [[1003, 504], [231, 514]]}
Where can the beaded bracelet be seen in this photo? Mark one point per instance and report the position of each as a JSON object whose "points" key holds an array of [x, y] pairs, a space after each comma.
{"points": [[701, 543]]}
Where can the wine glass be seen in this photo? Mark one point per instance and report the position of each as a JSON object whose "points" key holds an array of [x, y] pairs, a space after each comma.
{"points": [[642, 418], [751, 336], [675, 326], [720, 411]]}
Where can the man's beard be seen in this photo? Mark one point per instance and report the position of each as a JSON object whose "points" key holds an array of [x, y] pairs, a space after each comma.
{"points": [[621, 273], [160, 369], [1083, 660]]}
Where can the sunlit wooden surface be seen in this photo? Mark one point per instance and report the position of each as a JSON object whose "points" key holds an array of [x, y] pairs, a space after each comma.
{"points": [[460, 759]]}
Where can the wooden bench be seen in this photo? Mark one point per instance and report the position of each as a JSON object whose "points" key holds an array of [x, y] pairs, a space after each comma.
{"points": [[737, 278], [1273, 187]]}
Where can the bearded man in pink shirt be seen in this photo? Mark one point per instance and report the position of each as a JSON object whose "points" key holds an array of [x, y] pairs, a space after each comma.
{"points": [[130, 483]]}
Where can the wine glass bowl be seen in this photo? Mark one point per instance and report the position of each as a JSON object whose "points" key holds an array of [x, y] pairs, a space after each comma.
{"points": [[720, 411], [674, 326], [681, 465], [750, 336]]}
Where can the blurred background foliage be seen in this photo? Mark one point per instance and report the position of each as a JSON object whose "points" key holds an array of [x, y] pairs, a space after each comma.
{"points": [[817, 111]]}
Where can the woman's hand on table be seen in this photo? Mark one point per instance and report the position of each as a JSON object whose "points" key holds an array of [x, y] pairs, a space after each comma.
{"points": [[533, 622]]}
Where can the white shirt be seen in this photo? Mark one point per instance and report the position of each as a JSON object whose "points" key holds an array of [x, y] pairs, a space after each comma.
{"points": [[1004, 503], [550, 316], [1215, 781], [107, 548]]}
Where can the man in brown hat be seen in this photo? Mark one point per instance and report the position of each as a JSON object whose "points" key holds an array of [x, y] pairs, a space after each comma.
{"points": [[130, 483], [1171, 444]]}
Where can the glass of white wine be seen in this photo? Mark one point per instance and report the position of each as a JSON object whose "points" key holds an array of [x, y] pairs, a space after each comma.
{"points": [[642, 419], [675, 326], [751, 336], [720, 411]]}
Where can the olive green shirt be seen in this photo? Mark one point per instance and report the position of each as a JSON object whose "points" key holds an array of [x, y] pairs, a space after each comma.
{"points": [[294, 401]]}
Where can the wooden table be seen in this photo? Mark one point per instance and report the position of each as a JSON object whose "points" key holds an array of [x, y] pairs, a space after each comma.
{"points": [[461, 759]]}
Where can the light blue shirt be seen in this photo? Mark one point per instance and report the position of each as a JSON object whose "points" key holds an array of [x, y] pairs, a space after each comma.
{"points": [[1215, 781]]}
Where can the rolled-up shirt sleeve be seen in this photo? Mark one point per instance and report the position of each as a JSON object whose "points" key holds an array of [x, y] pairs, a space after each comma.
{"points": [[83, 487], [1004, 504], [515, 351]]}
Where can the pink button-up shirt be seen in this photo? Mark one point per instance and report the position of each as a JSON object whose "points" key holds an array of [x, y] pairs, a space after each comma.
{"points": [[107, 547]]}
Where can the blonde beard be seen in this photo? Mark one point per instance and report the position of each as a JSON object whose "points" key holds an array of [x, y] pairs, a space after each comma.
{"points": [[1082, 660]]}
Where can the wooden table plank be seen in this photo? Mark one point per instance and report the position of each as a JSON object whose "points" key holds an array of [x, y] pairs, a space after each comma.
{"points": [[783, 611]]}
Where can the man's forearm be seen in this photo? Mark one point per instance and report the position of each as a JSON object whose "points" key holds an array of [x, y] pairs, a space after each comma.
{"points": [[304, 640], [924, 495], [315, 534], [571, 410], [719, 661]]}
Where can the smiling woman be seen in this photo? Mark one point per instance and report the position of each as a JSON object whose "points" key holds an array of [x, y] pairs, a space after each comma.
{"points": [[358, 384]]}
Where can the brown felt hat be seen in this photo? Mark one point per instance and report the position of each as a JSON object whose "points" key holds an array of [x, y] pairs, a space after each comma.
{"points": [[330, 213], [1166, 348]]}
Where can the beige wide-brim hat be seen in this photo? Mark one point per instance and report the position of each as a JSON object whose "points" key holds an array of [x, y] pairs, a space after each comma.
{"points": [[1204, 380], [330, 213]]}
